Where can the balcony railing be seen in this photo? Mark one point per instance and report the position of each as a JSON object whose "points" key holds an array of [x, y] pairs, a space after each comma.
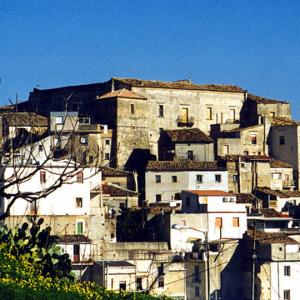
{"points": [[185, 121]]}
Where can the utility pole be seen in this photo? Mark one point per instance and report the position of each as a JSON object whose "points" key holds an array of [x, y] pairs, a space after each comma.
{"points": [[207, 265], [254, 257]]}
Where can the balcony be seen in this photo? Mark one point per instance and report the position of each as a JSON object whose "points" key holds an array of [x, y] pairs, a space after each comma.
{"points": [[185, 121]]}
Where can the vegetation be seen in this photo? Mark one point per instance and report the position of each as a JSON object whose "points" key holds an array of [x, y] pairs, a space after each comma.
{"points": [[32, 267]]}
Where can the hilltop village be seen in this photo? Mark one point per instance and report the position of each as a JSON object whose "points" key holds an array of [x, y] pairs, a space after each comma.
{"points": [[181, 189]]}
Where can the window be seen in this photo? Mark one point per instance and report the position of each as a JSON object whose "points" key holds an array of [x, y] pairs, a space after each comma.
{"points": [[112, 236], [208, 113], [287, 271], [183, 222], [122, 286], [197, 291], [157, 178], [236, 222], [132, 108], [43, 176], [246, 152], [84, 140], [174, 178], [76, 253], [225, 149], [253, 138], [41, 148], [190, 155], [218, 178], [79, 177], [199, 178], [112, 283], [276, 175], [282, 140], [91, 159], [218, 222], [161, 111], [197, 274], [272, 113], [107, 142], [84, 121], [59, 120], [78, 202], [234, 178], [106, 156], [286, 295], [161, 281], [122, 205], [158, 197], [139, 283], [232, 115], [79, 227]]}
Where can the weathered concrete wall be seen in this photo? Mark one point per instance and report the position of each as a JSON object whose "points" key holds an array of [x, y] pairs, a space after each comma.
{"points": [[201, 152]]}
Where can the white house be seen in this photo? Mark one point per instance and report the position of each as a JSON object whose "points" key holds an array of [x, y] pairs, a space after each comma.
{"points": [[66, 209], [222, 217], [166, 179]]}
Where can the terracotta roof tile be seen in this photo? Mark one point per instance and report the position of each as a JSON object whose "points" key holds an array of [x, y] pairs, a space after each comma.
{"points": [[183, 165], [279, 164], [25, 119], [277, 121], [270, 213], [122, 93], [111, 172], [71, 238], [278, 193], [263, 100], [245, 157], [183, 84], [209, 193], [271, 237], [117, 191], [245, 198], [193, 135]]}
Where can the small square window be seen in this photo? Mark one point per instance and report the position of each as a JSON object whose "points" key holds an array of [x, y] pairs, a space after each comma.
{"points": [[84, 140], [158, 197], [197, 291], [253, 139], [174, 178], [199, 178], [287, 271], [190, 155], [41, 148], [157, 178], [282, 140], [236, 222], [218, 178], [59, 120], [106, 156], [208, 113], [91, 159], [78, 202], [107, 142]]}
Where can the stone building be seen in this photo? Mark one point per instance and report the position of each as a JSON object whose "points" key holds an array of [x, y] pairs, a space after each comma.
{"points": [[180, 144]]}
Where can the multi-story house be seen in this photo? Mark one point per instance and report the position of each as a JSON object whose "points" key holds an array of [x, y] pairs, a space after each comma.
{"points": [[182, 144], [165, 180]]}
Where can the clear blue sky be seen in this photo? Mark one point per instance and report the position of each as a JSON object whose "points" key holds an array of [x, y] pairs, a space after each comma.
{"points": [[253, 44]]}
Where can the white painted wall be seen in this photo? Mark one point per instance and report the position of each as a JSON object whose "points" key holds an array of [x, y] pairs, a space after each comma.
{"points": [[186, 180], [61, 201], [84, 250]]}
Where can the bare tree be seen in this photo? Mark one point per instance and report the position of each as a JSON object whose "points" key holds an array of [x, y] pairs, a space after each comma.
{"points": [[27, 151]]}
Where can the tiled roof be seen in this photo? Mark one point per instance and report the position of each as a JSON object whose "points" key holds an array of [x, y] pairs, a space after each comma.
{"points": [[158, 208], [122, 93], [116, 263], [209, 193], [25, 119], [279, 164], [278, 193], [270, 213], [271, 237], [183, 84], [114, 190], [263, 100], [71, 238], [242, 128], [111, 172], [245, 198], [193, 135], [183, 165], [246, 158], [277, 121]]}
